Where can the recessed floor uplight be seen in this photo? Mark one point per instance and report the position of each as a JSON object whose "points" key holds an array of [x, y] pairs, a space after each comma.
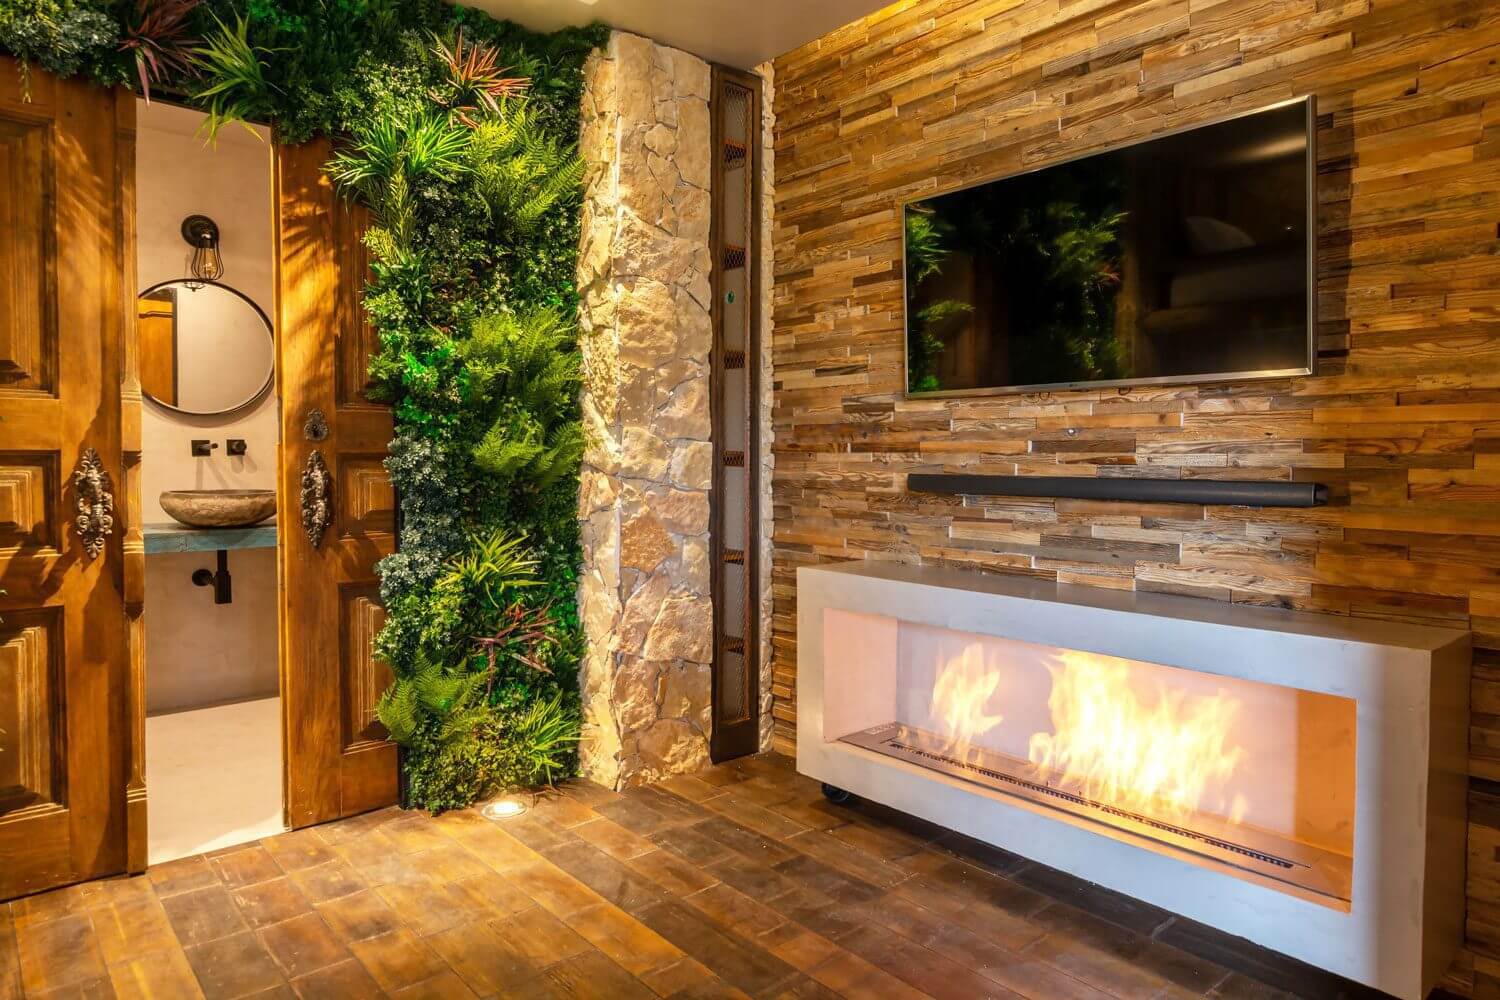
{"points": [[505, 808]]}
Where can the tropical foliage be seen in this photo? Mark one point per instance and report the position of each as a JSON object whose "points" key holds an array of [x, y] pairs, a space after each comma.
{"points": [[459, 133], [62, 36]]}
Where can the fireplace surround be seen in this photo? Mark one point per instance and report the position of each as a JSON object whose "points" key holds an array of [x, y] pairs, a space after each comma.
{"points": [[1294, 779]]}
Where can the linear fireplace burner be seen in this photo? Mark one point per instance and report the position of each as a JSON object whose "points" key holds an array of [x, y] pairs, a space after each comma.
{"points": [[1209, 837]]}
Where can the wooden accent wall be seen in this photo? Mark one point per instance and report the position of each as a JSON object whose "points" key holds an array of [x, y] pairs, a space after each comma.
{"points": [[1402, 421]]}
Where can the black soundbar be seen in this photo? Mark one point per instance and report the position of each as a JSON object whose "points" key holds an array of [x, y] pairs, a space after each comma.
{"points": [[1209, 492]]}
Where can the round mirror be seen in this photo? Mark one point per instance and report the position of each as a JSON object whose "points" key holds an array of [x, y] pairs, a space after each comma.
{"points": [[206, 348]]}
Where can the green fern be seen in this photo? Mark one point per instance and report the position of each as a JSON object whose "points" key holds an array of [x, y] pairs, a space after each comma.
{"points": [[398, 710], [525, 367], [521, 171], [433, 692]]}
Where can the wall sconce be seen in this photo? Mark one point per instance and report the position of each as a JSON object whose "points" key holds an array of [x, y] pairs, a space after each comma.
{"points": [[202, 234]]}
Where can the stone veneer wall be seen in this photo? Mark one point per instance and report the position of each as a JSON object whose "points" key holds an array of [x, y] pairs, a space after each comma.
{"points": [[643, 277], [765, 287]]}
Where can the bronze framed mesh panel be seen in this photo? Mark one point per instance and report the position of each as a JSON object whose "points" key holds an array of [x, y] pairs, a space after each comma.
{"points": [[735, 389]]}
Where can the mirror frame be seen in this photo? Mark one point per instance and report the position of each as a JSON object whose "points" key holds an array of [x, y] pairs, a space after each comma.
{"points": [[270, 332]]}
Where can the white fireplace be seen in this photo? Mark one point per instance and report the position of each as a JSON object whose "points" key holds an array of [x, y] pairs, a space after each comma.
{"points": [[1295, 779]]}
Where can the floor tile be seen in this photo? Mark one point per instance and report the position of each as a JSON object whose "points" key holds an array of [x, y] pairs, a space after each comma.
{"points": [[359, 915], [443, 986], [613, 839], [128, 927], [486, 960], [298, 849], [738, 882], [246, 866], [490, 895], [182, 875], [850, 976], [606, 876], [671, 872], [156, 976], [302, 944], [346, 980], [59, 952], [397, 958], [426, 907], [202, 915], [739, 962], [330, 880], [594, 975], [628, 942], [234, 966], [10, 959], [729, 907], [30, 911], [270, 902], [540, 937]]}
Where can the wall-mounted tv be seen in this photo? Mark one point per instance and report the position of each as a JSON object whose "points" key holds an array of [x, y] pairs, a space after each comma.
{"points": [[1183, 258]]}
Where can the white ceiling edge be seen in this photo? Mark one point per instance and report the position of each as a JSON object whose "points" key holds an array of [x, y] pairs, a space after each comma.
{"points": [[738, 33]]}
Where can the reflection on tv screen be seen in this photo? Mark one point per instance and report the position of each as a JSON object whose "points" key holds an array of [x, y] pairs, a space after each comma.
{"points": [[1183, 257]]}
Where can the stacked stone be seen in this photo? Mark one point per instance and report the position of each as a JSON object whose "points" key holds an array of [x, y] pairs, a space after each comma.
{"points": [[767, 390], [643, 278]]}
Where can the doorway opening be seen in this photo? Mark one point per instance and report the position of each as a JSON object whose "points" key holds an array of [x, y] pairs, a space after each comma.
{"points": [[205, 261]]}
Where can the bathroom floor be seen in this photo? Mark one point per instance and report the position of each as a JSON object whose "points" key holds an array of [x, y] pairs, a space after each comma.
{"points": [[213, 778]]}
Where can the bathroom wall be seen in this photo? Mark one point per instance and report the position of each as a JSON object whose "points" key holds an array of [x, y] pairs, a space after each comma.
{"points": [[200, 653], [197, 652], [178, 174]]}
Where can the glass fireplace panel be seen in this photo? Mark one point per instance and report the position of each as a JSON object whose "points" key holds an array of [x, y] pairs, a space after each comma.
{"points": [[1253, 776]]}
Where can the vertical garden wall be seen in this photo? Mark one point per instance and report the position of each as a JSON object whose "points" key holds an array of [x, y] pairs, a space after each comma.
{"points": [[459, 133]]}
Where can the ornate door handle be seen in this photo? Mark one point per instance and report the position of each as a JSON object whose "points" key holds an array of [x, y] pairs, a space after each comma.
{"points": [[94, 501], [317, 497]]}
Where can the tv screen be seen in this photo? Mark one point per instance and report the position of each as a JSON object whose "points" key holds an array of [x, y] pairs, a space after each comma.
{"points": [[1183, 258]]}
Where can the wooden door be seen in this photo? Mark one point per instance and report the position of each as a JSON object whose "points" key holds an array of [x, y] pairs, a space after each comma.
{"points": [[63, 652], [333, 443]]}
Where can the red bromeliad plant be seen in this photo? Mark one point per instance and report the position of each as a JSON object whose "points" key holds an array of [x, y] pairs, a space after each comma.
{"points": [[157, 34], [474, 78], [522, 634]]}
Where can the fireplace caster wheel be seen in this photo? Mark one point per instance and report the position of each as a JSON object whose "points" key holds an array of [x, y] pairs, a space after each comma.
{"points": [[837, 795]]}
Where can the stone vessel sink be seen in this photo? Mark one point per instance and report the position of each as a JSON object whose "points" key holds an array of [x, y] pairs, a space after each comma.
{"points": [[219, 508]]}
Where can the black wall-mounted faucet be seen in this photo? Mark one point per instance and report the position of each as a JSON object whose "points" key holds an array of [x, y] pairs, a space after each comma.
{"points": [[202, 448], [235, 446]]}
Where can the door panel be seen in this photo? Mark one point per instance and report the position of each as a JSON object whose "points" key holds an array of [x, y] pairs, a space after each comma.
{"points": [[28, 327], [63, 740], [338, 761], [31, 710]]}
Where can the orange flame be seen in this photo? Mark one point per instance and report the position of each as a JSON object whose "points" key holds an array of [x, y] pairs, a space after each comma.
{"points": [[964, 686], [1155, 756]]}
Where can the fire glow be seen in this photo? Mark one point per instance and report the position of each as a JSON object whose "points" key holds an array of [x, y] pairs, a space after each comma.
{"points": [[1163, 753]]}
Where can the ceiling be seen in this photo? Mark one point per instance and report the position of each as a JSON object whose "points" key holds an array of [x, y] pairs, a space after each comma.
{"points": [[739, 33]]}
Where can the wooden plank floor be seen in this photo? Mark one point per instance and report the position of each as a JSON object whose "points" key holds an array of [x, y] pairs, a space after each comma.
{"points": [[740, 882]]}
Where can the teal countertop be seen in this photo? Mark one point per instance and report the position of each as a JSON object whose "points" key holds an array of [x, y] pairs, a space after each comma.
{"points": [[180, 538]]}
